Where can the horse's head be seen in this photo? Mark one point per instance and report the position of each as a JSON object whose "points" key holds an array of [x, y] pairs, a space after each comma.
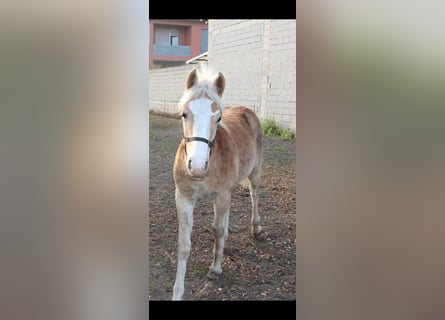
{"points": [[201, 109]]}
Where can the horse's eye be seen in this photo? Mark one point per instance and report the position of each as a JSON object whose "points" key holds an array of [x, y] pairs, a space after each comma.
{"points": [[219, 119], [184, 115]]}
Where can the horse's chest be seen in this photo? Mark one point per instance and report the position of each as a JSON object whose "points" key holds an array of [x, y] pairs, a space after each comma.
{"points": [[212, 184]]}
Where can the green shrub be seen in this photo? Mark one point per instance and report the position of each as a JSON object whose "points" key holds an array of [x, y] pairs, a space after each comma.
{"points": [[270, 127], [287, 134]]}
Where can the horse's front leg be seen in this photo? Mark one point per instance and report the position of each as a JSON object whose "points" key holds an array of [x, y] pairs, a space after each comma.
{"points": [[184, 208], [221, 207]]}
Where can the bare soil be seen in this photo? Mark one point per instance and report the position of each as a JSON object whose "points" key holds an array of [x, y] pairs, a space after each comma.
{"points": [[253, 269]]}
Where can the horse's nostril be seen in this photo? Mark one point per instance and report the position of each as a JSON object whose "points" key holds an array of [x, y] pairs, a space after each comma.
{"points": [[206, 165], [189, 164]]}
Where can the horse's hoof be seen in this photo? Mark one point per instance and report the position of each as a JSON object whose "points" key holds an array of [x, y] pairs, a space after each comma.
{"points": [[213, 274], [256, 231]]}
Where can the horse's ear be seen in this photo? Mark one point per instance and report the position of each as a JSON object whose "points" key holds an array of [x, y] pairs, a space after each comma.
{"points": [[191, 79], [220, 83]]}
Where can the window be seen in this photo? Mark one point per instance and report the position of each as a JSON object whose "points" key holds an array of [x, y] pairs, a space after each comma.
{"points": [[174, 40], [204, 40]]}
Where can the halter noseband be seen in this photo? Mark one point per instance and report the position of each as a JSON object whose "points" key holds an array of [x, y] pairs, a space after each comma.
{"points": [[206, 141], [189, 139], [210, 143]]}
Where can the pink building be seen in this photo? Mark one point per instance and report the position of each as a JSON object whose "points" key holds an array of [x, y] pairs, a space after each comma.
{"points": [[173, 42]]}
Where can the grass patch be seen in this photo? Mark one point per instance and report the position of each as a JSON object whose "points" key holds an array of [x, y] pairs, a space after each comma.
{"points": [[287, 134], [270, 128]]}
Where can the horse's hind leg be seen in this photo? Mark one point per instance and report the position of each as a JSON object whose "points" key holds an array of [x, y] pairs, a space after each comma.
{"points": [[254, 184], [220, 224]]}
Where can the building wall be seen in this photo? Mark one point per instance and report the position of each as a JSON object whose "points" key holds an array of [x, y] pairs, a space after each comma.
{"points": [[189, 38], [258, 59], [165, 88]]}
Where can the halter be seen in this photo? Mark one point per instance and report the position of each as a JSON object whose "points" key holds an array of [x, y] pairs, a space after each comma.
{"points": [[206, 141]]}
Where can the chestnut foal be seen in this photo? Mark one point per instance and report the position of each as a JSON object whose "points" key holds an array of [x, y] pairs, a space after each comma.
{"points": [[221, 147]]}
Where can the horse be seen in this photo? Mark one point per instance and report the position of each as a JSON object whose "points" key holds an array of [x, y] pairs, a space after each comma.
{"points": [[221, 147]]}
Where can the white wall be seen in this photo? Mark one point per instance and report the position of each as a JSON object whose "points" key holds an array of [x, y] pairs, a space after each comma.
{"points": [[258, 59], [165, 87]]}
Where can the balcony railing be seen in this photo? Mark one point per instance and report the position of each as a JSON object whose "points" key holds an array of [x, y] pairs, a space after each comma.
{"points": [[177, 51]]}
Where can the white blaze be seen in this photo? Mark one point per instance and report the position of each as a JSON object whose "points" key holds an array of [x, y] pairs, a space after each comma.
{"points": [[198, 151]]}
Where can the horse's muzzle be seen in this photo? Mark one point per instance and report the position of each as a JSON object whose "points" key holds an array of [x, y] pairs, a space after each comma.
{"points": [[197, 170]]}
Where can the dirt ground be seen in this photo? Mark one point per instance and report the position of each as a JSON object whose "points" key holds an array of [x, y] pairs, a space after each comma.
{"points": [[253, 269]]}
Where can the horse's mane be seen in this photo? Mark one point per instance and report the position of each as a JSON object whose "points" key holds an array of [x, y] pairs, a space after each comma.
{"points": [[203, 88]]}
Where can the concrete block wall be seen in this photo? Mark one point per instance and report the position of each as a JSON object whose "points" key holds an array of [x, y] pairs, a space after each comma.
{"points": [[280, 100], [236, 49], [258, 59], [165, 88]]}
